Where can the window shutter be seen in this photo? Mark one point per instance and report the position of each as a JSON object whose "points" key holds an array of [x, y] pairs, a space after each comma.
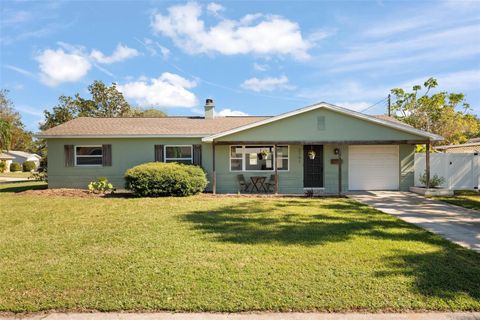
{"points": [[197, 154], [159, 153], [107, 155], [69, 156]]}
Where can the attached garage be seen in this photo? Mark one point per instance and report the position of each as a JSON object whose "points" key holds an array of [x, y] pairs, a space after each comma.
{"points": [[373, 167]]}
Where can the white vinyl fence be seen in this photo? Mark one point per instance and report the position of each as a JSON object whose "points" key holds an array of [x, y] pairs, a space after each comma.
{"points": [[460, 170]]}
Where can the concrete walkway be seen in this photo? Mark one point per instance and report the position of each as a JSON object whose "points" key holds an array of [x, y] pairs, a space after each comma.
{"points": [[11, 179], [251, 316], [454, 223]]}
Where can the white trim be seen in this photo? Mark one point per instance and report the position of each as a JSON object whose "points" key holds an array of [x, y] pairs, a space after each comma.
{"points": [[177, 145], [122, 136], [451, 146], [86, 156], [257, 145], [332, 107]]}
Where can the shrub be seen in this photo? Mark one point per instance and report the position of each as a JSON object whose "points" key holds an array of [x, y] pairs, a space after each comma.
{"points": [[102, 185], [3, 166], [39, 176], [15, 167], [157, 179], [29, 166], [435, 181]]}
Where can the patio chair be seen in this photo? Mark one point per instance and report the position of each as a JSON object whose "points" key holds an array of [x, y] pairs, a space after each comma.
{"points": [[244, 185], [271, 183]]}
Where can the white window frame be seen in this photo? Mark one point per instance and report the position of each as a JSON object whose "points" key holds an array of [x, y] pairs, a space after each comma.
{"points": [[87, 156], [177, 145], [257, 145]]}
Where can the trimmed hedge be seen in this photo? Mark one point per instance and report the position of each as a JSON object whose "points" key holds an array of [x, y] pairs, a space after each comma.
{"points": [[3, 166], [158, 179], [28, 166], [15, 167]]}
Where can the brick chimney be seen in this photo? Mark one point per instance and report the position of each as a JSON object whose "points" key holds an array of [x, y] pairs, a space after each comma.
{"points": [[209, 109]]}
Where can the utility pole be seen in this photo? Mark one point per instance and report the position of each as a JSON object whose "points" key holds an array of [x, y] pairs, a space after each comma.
{"points": [[389, 106]]}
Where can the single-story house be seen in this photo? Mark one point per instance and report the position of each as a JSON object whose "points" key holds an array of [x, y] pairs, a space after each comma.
{"points": [[22, 156], [471, 146], [301, 148], [7, 159]]}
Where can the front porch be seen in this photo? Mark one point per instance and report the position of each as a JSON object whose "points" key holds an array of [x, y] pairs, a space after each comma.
{"points": [[298, 167]]}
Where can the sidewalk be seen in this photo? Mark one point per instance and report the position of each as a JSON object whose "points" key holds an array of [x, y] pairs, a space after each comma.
{"points": [[250, 316]]}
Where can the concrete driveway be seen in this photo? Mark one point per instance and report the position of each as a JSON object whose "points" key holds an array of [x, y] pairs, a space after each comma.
{"points": [[454, 223]]}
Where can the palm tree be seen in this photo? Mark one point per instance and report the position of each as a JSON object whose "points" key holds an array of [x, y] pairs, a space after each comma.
{"points": [[5, 135]]}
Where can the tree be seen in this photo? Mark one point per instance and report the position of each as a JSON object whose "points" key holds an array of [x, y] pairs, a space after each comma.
{"points": [[147, 113], [443, 113], [104, 102], [5, 135], [20, 139]]}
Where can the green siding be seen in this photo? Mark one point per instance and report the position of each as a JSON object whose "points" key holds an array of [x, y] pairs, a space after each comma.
{"points": [[304, 127], [407, 161], [126, 153]]}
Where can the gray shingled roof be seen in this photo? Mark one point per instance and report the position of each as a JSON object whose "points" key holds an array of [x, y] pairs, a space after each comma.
{"points": [[168, 126]]}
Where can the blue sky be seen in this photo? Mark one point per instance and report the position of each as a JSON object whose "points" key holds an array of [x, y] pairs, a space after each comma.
{"points": [[257, 58]]}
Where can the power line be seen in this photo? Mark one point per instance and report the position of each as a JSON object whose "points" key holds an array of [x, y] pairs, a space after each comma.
{"points": [[373, 105]]}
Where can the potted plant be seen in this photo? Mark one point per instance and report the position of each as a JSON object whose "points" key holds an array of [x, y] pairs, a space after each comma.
{"points": [[311, 154], [263, 154]]}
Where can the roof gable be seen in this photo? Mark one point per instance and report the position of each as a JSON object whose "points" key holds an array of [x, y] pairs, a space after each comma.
{"points": [[375, 120]]}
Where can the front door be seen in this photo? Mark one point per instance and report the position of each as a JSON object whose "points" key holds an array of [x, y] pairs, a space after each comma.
{"points": [[313, 168]]}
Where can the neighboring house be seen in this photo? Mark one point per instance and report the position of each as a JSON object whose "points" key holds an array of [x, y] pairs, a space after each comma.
{"points": [[377, 153], [8, 160], [471, 146], [22, 156]]}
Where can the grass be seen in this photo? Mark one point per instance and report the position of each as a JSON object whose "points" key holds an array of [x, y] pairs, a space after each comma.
{"points": [[16, 174], [467, 199], [223, 254]]}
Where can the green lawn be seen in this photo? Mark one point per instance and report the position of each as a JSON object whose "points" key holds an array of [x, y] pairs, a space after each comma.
{"points": [[223, 254], [467, 199], [16, 174]]}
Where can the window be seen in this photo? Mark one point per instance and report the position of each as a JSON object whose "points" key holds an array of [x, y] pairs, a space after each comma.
{"points": [[236, 158], [181, 154], [258, 158], [88, 155]]}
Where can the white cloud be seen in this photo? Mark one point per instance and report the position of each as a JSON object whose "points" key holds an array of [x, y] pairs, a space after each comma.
{"points": [[251, 34], [215, 8], [168, 90], [454, 81], [20, 70], [121, 53], [260, 67], [230, 113], [267, 84], [57, 66]]}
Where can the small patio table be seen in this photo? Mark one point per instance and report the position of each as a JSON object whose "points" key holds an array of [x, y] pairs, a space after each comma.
{"points": [[258, 182]]}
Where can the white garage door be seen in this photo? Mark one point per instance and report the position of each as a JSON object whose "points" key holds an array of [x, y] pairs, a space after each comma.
{"points": [[373, 167]]}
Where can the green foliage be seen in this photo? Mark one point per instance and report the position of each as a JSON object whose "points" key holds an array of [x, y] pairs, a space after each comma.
{"points": [[104, 102], [28, 166], [156, 179], [435, 181], [436, 112], [147, 113], [40, 176], [15, 167], [5, 135], [13, 135], [3, 166], [102, 185]]}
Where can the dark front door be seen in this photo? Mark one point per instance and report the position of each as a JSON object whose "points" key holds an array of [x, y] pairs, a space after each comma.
{"points": [[313, 168]]}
